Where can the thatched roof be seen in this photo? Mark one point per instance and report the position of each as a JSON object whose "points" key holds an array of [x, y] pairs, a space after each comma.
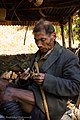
{"points": [[25, 12]]}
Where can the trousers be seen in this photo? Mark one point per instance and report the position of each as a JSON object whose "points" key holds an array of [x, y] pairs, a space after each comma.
{"points": [[36, 114]]}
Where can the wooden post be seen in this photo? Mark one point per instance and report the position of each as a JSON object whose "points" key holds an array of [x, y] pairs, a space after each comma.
{"points": [[69, 31], [62, 33]]}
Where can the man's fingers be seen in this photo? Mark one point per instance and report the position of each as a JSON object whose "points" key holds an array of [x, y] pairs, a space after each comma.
{"points": [[39, 82], [27, 70], [38, 76], [25, 78], [25, 75]]}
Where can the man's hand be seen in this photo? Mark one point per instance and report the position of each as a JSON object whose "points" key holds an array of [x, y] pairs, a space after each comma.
{"points": [[38, 78], [25, 75]]}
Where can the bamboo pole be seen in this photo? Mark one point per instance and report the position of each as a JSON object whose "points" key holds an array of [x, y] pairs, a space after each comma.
{"points": [[43, 95]]}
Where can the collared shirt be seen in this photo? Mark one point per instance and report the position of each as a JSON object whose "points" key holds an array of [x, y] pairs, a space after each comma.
{"points": [[41, 58]]}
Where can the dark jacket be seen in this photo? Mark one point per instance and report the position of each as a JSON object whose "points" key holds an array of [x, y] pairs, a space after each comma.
{"points": [[62, 81]]}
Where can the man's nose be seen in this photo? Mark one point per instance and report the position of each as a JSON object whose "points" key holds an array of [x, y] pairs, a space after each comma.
{"points": [[39, 43]]}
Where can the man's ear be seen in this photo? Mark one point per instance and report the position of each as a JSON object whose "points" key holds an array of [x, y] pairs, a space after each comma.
{"points": [[53, 35]]}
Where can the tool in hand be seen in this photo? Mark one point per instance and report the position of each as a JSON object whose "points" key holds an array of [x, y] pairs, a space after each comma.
{"points": [[43, 94]]}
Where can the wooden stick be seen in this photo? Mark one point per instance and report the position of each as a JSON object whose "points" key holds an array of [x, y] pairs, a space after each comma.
{"points": [[43, 95], [78, 101]]}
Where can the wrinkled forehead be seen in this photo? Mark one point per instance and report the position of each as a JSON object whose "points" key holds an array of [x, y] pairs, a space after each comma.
{"points": [[40, 34]]}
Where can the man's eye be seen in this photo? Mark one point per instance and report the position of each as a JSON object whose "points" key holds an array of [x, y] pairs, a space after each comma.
{"points": [[43, 39]]}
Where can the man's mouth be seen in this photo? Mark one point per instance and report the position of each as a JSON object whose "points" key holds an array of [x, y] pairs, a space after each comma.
{"points": [[42, 49]]}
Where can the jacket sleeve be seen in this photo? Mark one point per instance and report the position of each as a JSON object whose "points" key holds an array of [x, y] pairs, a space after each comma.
{"points": [[69, 84]]}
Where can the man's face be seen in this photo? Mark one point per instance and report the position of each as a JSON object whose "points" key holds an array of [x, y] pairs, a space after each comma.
{"points": [[44, 41]]}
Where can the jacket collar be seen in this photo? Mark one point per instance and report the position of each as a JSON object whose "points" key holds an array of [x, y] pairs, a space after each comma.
{"points": [[52, 57]]}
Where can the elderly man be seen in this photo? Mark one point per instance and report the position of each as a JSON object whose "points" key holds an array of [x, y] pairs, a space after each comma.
{"points": [[58, 76]]}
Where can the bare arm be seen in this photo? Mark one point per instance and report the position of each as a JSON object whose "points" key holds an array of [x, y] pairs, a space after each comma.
{"points": [[25, 97]]}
